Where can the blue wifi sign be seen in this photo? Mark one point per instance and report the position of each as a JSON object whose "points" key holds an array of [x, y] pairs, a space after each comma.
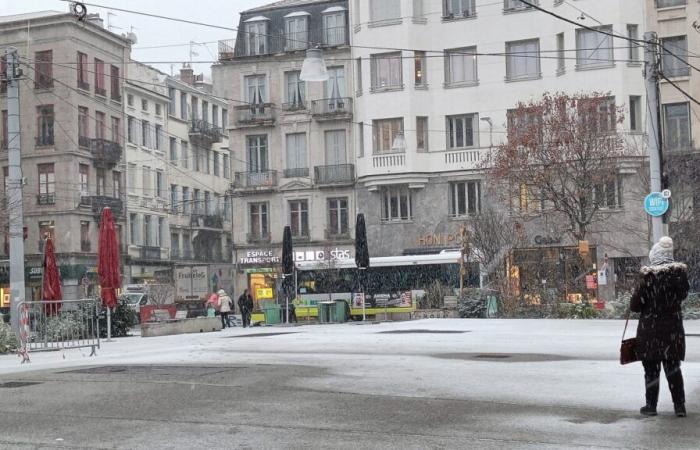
{"points": [[655, 204]]}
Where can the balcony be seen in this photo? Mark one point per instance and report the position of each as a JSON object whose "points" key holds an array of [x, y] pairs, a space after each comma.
{"points": [[213, 221], [339, 174], [255, 181], [227, 49], [101, 92], [150, 253], [99, 202], [44, 141], [204, 133], [299, 172], [294, 107], [46, 199], [253, 238], [255, 115], [332, 109], [106, 153]]}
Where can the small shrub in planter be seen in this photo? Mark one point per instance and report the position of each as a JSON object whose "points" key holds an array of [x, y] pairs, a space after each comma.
{"points": [[8, 339], [123, 319], [472, 303]]}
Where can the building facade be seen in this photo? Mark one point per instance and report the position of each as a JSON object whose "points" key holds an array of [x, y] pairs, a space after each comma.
{"points": [[71, 141], [292, 141], [426, 118]]}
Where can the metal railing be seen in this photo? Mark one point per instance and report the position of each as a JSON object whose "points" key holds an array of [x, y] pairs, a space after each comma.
{"points": [[260, 114], [297, 172], [207, 221], [263, 179], [99, 202], [204, 130], [330, 107], [58, 325], [105, 153], [338, 173], [46, 199]]}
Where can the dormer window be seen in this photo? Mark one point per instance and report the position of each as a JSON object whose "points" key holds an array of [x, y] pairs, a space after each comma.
{"points": [[256, 36], [296, 26], [334, 29]]}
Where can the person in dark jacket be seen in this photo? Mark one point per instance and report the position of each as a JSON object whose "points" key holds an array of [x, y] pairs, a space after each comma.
{"points": [[660, 335], [245, 304]]}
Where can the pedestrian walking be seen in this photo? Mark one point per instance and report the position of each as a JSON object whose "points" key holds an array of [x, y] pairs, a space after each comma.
{"points": [[245, 304], [224, 307], [660, 334]]}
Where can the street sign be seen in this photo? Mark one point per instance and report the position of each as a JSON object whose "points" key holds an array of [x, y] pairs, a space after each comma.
{"points": [[655, 204], [666, 193]]}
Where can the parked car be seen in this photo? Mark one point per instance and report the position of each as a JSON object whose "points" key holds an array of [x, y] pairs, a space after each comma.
{"points": [[136, 300]]}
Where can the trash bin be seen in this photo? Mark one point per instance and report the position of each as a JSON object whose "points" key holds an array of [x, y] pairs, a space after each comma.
{"points": [[325, 311], [272, 314], [340, 314], [491, 306]]}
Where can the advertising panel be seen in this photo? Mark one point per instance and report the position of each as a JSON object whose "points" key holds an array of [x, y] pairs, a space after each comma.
{"points": [[191, 283]]}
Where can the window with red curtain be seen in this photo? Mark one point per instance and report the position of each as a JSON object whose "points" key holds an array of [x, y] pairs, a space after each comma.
{"points": [[114, 81], [43, 72], [83, 71], [100, 78]]}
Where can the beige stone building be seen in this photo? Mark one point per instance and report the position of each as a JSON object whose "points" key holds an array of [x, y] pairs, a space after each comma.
{"points": [[71, 140]]}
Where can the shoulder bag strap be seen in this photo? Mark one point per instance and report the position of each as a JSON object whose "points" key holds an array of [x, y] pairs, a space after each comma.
{"points": [[627, 319]]}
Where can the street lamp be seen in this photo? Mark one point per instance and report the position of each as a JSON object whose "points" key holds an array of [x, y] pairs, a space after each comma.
{"points": [[313, 68]]}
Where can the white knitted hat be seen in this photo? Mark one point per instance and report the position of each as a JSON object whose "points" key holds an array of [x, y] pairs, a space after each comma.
{"points": [[662, 252]]}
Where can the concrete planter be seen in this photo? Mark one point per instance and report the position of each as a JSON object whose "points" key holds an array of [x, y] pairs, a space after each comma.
{"points": [[181, 326], [435, 314]]}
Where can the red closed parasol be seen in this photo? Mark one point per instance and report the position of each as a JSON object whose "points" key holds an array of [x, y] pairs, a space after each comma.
{"points": [[51, 285], [108, 260]]}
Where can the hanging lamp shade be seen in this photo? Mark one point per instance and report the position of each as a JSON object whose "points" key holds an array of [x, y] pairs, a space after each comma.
{"points": [[399, 144], [314, 68]]}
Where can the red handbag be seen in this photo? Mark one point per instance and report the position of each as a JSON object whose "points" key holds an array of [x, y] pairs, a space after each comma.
{"points": [[628, 348]]}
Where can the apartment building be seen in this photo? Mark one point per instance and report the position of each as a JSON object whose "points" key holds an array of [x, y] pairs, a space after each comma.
{"points": [[426, 117], [71, 141], [291, 141]]}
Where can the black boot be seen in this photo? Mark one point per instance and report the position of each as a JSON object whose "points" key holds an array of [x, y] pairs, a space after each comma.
{"points": [[679, 408], [648, 410]]}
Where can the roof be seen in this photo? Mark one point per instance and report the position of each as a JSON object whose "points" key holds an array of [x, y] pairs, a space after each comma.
{"points": [[30, 16], [284, 4]]}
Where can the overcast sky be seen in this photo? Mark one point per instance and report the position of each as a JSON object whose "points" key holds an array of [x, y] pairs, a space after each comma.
{"points": [[154, 32]]}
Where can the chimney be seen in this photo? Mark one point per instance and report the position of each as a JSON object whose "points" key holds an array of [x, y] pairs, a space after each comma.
{"points": [[187, 74], [96, 20]]}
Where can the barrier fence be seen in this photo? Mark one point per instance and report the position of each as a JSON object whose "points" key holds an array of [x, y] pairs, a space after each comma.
{"points": [[58, 325]]}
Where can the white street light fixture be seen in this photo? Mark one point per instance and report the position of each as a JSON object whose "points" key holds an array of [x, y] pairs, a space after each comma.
{"points": [[313, 68]]}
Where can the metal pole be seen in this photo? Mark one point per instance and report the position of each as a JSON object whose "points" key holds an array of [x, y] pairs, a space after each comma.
{"points": [[651, 80], [14, 188]]}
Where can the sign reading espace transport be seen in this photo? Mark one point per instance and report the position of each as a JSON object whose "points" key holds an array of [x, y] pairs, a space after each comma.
{"points": [[656, 204]]}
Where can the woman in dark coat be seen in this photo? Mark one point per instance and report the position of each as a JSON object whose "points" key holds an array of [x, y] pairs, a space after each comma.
{"points": [[660, 334]]}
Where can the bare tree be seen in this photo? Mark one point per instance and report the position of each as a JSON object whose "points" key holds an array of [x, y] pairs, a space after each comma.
{"points": [[161, 294]]}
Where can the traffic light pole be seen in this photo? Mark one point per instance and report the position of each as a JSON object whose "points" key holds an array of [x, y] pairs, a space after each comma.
{"points": [[14, 188]]}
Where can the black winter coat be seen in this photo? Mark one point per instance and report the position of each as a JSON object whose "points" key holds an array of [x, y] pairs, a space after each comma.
{"points": [[658, 298]]}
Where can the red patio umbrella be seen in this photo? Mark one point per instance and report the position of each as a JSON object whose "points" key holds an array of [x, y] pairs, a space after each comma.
{"points": [[51, 284], [108, 260]]}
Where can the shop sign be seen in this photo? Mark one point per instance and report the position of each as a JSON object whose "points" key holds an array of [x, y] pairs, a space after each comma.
{"points": [[439, 239], [34, 273], [263, 292], [322, 255], [259, 257], [547, 240]]}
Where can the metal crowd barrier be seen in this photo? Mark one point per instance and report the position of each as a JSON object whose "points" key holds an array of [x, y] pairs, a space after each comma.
{"points": [[74, 325]]}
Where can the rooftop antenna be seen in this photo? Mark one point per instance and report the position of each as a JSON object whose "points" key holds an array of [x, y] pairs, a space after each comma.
{"points": [[109, 25], [193, 52]]}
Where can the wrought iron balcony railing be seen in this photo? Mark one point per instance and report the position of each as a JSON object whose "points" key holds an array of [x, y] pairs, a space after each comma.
{"points": [[298, 172], [204, 131], [332, 108], [105, 153], [99, 202], [334, 174], [254, 115], [255, 180], [46, 199]]}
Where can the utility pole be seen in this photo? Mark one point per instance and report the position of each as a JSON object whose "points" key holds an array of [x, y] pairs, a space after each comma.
{"points": [[463, 254], [651, 79], [14, 188]]}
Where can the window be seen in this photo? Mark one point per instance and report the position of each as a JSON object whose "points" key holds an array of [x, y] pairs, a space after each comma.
{"points": [[47, 229], [159, 109], [604, 118], [215, 115], [676, 127], [358, 75], [295, 32], [131, 178], [335, 147], [44, 126], [144, 105], [461, 131], [594, 49], [422, 134], [561, 56], [296, 88], [419, 69], [256, 38], [530, 199], [161, 231], [100, 88], [197, 201], [257, 153], [523, 60], [47, 184], [172, 104], [608, 195], [131, 130], [185, 159], [83, 71], [517, 5], [43, 70], [668, 3], [259, 227], [206, 154], [299, 218], [84, 171], [674, 54], [385, 132], [116, 129], [83, 126], [224, 119], [186, 205], [386, 71], [465, 198], [633, 34], [160, 186], [361, 139], [256, 89], [116, 184], [130, 100], [194, 101], [384, 10], [334, 28], [335, 86], [173, 199], [173, 151], [338, 216], [418, 12], [396, 203], [458, 8], [159, 137], [100, 124], [186, 245], [635, 113], [145, 134], [524, 121], [147, 231], [146, 185], [175, 245], [227, 168], [460, 66], [216, 163], [100, 184], [114, 81], [84, 236], [183, 106]]}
